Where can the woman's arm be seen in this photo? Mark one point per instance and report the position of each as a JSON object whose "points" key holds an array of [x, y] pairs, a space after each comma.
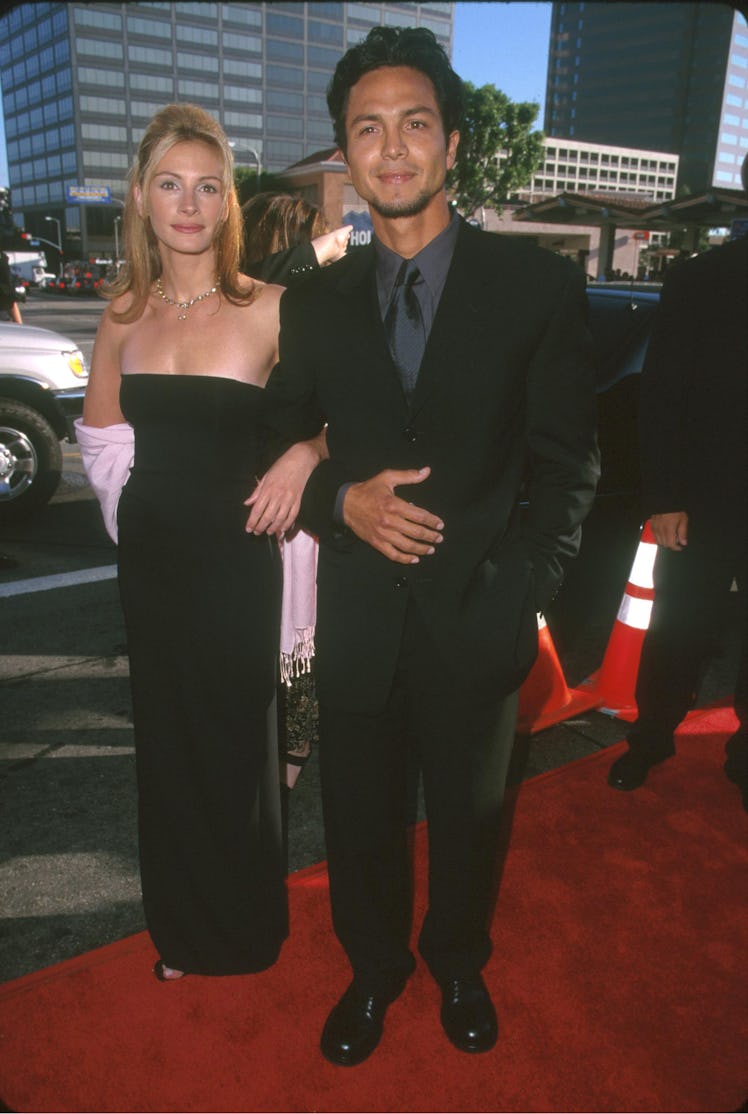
{"points": [[276, 500], [101, 407]]}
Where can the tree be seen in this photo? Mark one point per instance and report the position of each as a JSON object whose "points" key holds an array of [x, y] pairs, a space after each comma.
{"points": [[245, 180], [494, 126]]}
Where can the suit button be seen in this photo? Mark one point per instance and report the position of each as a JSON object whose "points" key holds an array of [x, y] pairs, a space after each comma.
{"points": [[410, 434], [400, 582]]}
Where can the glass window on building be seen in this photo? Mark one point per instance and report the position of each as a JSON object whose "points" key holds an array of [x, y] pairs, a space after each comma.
{"points": [[286, 77], [329, 10], [320, 56], [320, 131], [143, 110], [198, 62], [400, 19], [236, 67], [109, 132], [285, 125], [285, 101], [246, 120], [99, 49], [149, 55], [316, 81], [244, 17], [242, 94], [289, 26], [245, 44], [282, 153], [90, 75], [156, 28], [202, 11], [198, 90], [106, 105], [93, 17], [364, 13], [316, 105], [152, 83], [441, 30], [279, 51], [329, 33], [201, 36]]}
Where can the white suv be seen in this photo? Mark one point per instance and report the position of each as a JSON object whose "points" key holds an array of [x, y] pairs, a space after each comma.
{"points": [[42, 383]]}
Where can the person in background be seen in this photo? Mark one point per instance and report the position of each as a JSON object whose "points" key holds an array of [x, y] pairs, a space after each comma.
{"points": [[286, 238], [181, 357], [9, 307], [453, 369], [693, 437]]}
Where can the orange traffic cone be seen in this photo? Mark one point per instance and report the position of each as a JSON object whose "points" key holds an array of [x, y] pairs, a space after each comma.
{"points": [[545, 698], [615, 681]]}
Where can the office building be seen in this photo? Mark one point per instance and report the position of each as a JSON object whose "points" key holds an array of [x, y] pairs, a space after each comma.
{"points": [[80, 82], [573, 166], [659, 76]]}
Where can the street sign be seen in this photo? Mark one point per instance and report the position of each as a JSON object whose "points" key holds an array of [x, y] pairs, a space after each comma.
{"points": [[88, 195]]}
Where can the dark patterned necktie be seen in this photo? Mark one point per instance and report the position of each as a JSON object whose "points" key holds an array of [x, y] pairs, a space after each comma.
{"points": [[404, 325]]}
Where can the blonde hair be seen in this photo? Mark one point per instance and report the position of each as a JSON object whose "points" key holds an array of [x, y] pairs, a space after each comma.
{"points": [[176, 123], [276, 221]]}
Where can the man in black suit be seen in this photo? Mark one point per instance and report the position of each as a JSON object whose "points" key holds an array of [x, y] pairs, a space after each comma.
{"points": [[479, 395], [693, 449]]}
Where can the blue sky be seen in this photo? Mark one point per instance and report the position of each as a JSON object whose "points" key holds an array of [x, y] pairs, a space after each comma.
{"points": [[504, 44], [495, 42]]}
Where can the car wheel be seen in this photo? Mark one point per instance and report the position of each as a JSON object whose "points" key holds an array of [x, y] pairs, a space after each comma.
{"points": [[30, 459]]}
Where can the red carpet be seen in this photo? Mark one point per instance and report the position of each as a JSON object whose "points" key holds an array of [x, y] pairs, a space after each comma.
{"points": [[618, 972]]}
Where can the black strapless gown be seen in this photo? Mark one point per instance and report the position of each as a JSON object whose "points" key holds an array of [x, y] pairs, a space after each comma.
{"points": [[201, 600]]}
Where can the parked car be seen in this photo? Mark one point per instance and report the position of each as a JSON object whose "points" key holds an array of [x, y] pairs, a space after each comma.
{"points": [[42, 384], [83, 278], [21, 286]]}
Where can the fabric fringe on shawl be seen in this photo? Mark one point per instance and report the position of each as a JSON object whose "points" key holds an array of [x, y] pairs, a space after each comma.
{"points": [[299, 606], [107, 455]]}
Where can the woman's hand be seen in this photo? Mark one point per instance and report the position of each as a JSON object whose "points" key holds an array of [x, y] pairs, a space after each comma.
{"points": [[331, 246], [276, 500]]}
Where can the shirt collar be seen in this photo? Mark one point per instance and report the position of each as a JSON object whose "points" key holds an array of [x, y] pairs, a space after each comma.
{"points": [[433, 261]]}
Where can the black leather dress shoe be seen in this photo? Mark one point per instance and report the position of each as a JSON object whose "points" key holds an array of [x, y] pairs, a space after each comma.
{"points": [[632, 768], [354, 1028], [468, 1014]]}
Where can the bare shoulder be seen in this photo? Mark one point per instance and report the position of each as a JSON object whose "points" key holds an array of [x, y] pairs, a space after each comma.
{"points": [[267, 292]]}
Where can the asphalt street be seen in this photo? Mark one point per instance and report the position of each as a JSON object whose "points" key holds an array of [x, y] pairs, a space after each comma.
{"points": [[68, 848]]}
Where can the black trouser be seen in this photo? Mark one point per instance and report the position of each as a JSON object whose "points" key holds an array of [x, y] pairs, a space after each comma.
{"points": [[691, 598], [463, 752]]}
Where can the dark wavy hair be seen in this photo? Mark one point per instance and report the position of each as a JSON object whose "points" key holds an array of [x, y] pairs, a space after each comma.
{"points": [[396, 46]]}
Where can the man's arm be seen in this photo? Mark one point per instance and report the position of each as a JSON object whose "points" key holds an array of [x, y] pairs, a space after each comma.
{"points": [[563, 459], [371, 510], [662, 399]]}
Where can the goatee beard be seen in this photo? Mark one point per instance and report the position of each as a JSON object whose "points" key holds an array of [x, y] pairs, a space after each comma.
{"points": [[397, 209]]}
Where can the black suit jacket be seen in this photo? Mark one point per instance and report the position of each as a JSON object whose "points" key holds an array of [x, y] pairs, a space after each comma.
{"points": [[503, 410], [692, 404]]}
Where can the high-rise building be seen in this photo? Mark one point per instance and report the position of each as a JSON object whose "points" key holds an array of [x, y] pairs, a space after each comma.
{"points": [[660, 76], [81, 80]]}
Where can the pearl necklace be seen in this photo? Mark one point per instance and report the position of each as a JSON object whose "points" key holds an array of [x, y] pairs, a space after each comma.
{"points": [[183, 305]]}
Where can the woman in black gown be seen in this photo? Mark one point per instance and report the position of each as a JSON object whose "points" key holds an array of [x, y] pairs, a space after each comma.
{"points": [[182, 355]]}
